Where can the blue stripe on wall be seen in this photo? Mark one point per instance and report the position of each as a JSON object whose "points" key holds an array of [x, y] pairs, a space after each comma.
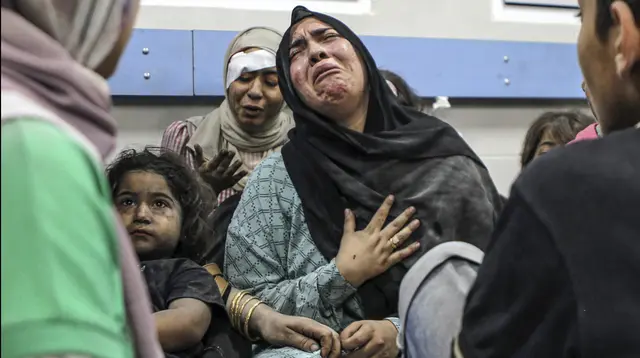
{"points": [[190, 63]]}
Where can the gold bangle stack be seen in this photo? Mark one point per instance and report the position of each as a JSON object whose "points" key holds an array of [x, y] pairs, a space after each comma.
{"points": [[234, 313], [247, 319], [236, 310]]}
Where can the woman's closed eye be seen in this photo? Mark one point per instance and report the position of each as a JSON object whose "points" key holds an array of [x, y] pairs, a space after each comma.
{"points": [[293, 52], [245, 77], [271, 83], [330, 35], [271, 80], [296, 48]]}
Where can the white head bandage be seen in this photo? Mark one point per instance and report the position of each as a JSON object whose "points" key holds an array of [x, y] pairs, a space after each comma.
{"points": [[244, 62]]}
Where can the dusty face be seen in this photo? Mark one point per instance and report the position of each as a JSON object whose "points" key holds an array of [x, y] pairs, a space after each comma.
{"points": [[326, 71], [608, 65], [150, 213], [255, 98]]}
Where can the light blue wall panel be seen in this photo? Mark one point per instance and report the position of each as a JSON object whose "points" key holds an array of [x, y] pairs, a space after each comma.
{"points": [[209, 48], [156, 63], [481, 69], [186, 63]]}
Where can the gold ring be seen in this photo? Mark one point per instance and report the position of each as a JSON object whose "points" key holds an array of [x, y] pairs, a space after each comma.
{"points": [[394, 242]]}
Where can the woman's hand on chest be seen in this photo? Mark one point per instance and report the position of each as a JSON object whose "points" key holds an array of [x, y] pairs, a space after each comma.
{"points": [[367, 253]]}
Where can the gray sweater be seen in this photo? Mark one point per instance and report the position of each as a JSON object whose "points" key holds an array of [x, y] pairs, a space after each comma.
{"points": [[432, 298]]}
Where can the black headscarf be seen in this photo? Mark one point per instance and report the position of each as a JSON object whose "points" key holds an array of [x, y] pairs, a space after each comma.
{"points": [[333, 168]]}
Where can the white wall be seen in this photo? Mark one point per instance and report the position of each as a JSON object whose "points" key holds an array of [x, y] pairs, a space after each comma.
{"points": [[466, 19], [495, 132]]}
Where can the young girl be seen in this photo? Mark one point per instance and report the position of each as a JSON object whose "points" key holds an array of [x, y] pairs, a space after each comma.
{"points": [[164, 209]]}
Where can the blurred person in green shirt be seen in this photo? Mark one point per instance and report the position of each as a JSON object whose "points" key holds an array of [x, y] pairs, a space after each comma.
{"points": [[71, 285]]}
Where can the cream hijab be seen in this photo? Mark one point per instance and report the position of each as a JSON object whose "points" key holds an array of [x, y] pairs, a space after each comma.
{"points": [[219, 129]]}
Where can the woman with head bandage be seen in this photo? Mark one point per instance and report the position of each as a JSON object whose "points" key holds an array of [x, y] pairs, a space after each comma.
{"points": [[250, 124]]}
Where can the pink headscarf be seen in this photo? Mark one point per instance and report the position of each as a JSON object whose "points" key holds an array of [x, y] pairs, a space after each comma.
{"points": [[589, 133], [49, 51]]}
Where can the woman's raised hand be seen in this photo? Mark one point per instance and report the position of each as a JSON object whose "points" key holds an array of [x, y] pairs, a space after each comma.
{"points": [[366, 254], [218, 172]]}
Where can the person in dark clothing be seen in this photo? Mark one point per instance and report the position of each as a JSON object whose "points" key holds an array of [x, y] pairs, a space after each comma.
{"points": [[180, 288], [560, 277], [165, 211], [292, 242]]}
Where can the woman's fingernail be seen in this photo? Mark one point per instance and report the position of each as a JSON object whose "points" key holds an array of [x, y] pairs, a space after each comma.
{"points": [[416, 244], [314, 347], [390, 197], [412, 209], [347, 212]]}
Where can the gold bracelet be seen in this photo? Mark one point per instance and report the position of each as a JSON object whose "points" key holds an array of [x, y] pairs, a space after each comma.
{"points": [[231, 307], [234, 309], [234, 305], [239, 322], [233, 302], [248, 318], [238, 313]]}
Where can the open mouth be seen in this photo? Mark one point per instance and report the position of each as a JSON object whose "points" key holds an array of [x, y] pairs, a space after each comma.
{"points": [[252, 111]]}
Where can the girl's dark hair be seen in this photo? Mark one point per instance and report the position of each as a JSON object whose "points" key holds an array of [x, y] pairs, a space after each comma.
{"points": [[195, 198], [563, 126], [406, 95]]}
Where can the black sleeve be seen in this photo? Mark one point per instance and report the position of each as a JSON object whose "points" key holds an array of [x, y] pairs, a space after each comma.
{"points": [[190, 280], [521, 304], [220, 221]]}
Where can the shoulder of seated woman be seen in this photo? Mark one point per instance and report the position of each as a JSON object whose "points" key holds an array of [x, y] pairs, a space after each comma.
{"points": [[460, 167], [271, 169]]}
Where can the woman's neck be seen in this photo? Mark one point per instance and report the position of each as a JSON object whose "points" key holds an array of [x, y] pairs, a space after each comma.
{"points": [[357, 123], [357, 120]]}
